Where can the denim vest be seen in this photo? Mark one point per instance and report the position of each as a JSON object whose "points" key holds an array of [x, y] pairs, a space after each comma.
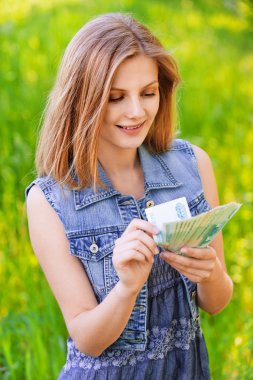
{"points": [[94, 220]]}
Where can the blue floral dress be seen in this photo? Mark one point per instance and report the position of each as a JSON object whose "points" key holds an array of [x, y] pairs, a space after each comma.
{"points": [[175, 348]]}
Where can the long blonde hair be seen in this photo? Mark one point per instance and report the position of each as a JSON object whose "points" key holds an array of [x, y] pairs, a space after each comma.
{"points": [[68, 142]]}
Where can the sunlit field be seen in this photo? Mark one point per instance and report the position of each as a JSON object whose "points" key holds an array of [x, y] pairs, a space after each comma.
{"points": [[212, 43]]}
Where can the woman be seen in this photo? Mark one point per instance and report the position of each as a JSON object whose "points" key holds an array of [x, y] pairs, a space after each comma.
{"points": [[106, 152]]}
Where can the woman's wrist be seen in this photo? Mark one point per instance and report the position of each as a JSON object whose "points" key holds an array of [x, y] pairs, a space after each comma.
{"points": [[125, 291], [217, 273]]}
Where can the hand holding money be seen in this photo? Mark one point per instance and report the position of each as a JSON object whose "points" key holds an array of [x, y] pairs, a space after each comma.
{"points": [[133, 255], [178, 229], [197, 264]]}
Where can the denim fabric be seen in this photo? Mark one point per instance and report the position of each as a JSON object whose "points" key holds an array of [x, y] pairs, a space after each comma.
{"points": [[164, 323]]}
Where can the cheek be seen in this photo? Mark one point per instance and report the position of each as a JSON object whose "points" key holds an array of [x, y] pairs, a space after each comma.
{"points": [[111, 115]]}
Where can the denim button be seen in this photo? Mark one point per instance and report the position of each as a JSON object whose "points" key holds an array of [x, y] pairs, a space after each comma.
{"points": [[94, 248], [194, 293], [150, 203]]}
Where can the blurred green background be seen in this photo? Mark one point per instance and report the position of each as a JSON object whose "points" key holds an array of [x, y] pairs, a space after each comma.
{"points": [[212, 43]]}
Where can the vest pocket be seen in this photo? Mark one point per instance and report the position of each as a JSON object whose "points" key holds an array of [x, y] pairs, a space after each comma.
{"points": [[94, 249]]}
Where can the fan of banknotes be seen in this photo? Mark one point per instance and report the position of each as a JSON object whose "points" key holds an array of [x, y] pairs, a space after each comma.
{"points": [[179, 229]]}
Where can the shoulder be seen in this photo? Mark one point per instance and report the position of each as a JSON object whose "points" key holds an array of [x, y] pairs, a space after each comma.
{"points": [[46, 184], [196, 159], [44, 189], [180, 144], [197, 153], [34, 195], [204, 163], [37, 205], [203, 159], [42, 202], [184, 148], [207, 175]]}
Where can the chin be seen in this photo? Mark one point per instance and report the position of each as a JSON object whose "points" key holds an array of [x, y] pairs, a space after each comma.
{"points": [[132, 145]]}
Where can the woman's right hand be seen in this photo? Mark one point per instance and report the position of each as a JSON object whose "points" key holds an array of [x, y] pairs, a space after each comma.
{"points": [[133, 254]]}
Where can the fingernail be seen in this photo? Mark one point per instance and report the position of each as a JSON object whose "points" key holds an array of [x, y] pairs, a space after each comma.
{"points": [[156, 230], [183, 251], [157, 251]]}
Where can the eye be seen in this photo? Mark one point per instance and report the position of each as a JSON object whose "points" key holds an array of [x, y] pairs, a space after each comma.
{"points": [[149, 94], [114, 100]]}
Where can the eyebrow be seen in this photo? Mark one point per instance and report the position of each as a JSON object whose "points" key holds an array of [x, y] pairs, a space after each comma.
{"points": [[147, 85]]}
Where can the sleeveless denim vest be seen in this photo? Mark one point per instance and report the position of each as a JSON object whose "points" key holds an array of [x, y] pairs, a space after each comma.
{"points": [[93, 221]]}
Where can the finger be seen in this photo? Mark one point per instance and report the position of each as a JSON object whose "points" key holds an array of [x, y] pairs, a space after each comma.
{"points": [[189, 272], [140, 224], [141, 247], [142, 237], [128, 256], [135, 245], [198, 253], [187, 262], [193, 278]]}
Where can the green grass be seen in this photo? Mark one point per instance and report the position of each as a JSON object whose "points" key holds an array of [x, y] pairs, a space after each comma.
{"points": [[211, 42]]}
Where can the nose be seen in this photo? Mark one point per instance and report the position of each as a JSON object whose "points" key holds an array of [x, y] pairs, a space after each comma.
{"points": [[135, 108]]}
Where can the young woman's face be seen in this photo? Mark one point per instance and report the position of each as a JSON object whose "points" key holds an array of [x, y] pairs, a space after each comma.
{"points": [[133, 104]]}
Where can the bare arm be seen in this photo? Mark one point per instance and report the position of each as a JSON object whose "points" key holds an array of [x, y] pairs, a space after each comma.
{"points": [[206, 266], [92, 326], [213, 295]]}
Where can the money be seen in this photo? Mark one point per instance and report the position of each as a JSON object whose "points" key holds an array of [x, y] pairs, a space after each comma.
{"points": [[171, 211], [197, 231]]}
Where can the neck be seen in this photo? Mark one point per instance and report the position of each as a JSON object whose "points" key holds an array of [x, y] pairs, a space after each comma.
{"points": [[127, 160], [123, 168]]}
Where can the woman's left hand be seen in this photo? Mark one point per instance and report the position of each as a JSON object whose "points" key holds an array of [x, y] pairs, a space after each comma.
{"points": [[197, 264]]}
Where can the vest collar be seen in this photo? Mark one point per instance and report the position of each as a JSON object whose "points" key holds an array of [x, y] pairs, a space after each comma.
{"points": [[157, 175]]}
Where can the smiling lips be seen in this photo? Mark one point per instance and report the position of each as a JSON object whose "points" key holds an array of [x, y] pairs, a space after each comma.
{"points": [[130, 128]]}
